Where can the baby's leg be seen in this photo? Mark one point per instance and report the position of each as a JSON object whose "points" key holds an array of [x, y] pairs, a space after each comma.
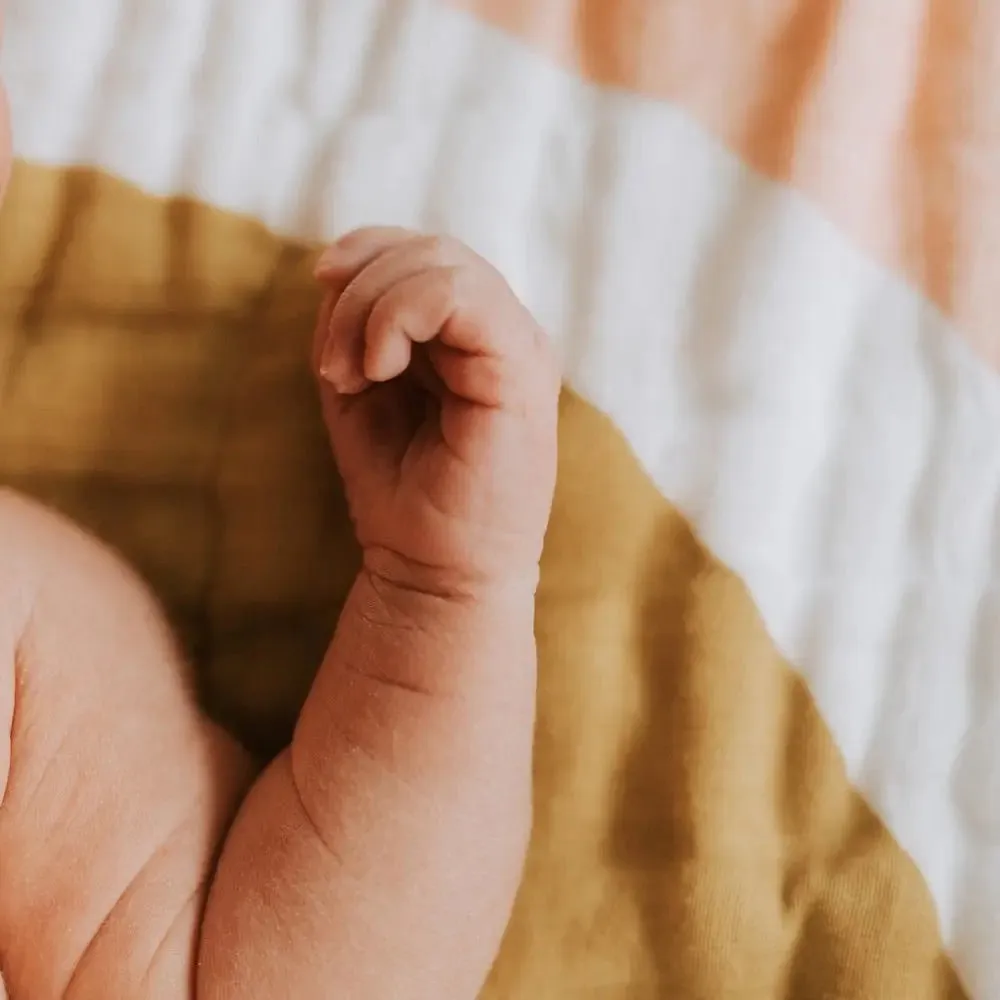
{"points": [[114, 791]]}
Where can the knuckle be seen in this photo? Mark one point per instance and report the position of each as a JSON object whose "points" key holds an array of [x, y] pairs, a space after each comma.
{"points": [[443, 249], [364, 237], [435, 246], [355, 238], [449, 280]]}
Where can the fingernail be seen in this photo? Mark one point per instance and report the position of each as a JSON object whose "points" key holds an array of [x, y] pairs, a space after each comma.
{"points": [[329, 362], [345, 384], [335, 369]]}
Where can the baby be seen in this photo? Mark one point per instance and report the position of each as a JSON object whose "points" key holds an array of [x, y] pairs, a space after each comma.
{"points": [[378, 856]]}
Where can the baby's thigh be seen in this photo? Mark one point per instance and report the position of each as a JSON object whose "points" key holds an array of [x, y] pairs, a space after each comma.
{"points": [[115, 790]]}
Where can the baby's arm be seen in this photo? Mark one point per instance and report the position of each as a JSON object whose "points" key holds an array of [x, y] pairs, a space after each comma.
{"points": [[394, 828]]}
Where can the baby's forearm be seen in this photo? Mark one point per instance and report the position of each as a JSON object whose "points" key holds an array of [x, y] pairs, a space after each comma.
{"points": [[394, 828]]}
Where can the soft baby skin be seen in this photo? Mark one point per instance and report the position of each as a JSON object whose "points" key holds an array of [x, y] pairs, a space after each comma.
{"points": [[141, 853]]}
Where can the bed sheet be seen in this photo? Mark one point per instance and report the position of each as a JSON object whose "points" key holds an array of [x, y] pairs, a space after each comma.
{"points": [[764, 239]]}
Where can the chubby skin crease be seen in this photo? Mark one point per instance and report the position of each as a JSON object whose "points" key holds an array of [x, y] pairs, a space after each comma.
{"points": [[379, 855]]}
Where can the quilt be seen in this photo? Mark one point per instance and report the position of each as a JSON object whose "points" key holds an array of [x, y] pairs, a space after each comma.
{"points": [[764, 236]]}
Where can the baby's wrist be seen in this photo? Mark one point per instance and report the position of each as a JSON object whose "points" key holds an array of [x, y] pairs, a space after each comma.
{"points": [[401, 578], [438, 640]]}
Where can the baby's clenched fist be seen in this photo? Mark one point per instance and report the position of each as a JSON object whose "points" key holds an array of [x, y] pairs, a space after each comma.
{"points": [[440, 392]]}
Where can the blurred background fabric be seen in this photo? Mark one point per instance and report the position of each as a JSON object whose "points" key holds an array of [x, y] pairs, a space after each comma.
{"points": [[764, 237]]}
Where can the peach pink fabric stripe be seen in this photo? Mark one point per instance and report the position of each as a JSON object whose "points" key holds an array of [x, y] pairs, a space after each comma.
{"points": [[886, 114]]}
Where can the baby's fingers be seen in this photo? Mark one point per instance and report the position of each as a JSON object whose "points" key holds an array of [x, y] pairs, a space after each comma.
{"points": [[344, 260], [337, 268], [417, 310], [487, 348], [483, 343], [387, 352], [345, 354]]}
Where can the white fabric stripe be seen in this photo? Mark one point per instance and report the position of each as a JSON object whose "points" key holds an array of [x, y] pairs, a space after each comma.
{"points": [[820, 423]]}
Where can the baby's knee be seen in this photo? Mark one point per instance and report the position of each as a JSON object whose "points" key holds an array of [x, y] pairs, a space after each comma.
{"points": [[22, 544], [110, 770], [24, 541], [80, 637], [51, 572], [38, 544]]}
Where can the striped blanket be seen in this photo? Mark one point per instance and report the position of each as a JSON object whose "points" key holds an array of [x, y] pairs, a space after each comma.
{"points": [[765, 236]]}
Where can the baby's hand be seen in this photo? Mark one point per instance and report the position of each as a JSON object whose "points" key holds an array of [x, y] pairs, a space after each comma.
{"points": [[440, 393]]}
